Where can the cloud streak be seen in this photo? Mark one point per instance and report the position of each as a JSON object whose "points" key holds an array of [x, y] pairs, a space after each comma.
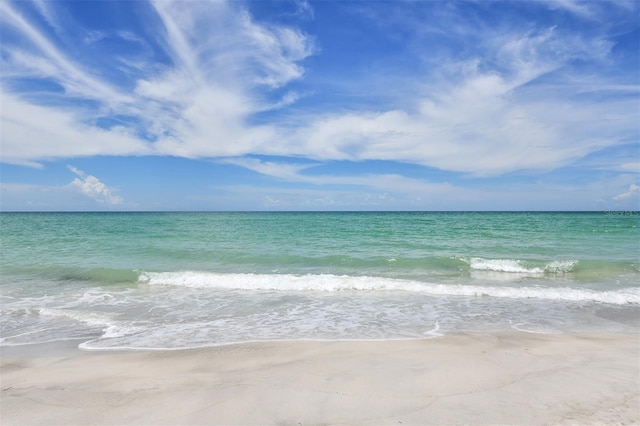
{"points": [[32, 133], [46, 60], [492, 112]]}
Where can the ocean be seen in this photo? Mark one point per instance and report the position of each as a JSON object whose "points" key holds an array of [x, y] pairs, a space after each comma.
{"points": [[183, 280]]}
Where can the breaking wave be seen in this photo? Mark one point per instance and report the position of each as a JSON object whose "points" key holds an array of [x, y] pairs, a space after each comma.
{"points": [[334, 283]]}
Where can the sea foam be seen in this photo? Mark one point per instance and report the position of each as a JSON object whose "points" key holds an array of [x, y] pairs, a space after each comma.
{"points": [[502, 265], [517, 266], [333, 283]]}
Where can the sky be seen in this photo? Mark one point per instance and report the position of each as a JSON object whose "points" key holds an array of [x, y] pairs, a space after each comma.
{"points": [[327, 105]]}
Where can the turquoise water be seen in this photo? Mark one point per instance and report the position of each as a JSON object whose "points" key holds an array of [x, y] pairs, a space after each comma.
{"points": [[171, 280]]}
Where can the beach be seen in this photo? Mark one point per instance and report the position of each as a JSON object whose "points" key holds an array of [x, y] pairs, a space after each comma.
{"points": [[324, 318], [473, 378]]}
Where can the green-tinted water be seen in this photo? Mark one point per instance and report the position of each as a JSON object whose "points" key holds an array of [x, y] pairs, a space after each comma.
{"points": [[326, 242], [92, 268]]}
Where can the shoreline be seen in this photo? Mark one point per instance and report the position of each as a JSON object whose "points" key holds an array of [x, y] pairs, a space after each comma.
{"points": [[471, 378]]}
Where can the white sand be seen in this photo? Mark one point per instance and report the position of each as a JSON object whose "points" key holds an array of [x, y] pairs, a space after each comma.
{"points": [[459, 379]]}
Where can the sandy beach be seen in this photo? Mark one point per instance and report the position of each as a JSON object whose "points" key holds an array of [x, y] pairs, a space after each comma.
{"points": [[457, 379]]}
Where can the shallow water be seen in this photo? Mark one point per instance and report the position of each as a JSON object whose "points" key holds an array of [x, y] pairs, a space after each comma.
{"points": [[173, 280]]}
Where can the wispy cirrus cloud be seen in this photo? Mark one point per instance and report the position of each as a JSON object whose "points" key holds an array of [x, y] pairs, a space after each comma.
{"points": [[289, 171], [632, 166], [588, 9], [193, 107], [294, 172], [44, 59], [577, 7], [513, 106], [223, 62], [32, 133], [515, 102]]}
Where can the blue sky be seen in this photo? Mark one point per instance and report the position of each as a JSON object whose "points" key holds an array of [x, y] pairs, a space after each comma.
{"points": [[328, 105]]}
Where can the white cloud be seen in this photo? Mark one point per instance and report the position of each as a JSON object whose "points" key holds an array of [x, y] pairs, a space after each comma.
{"points": [[70, 197], [629, 194], [200, 107], [197, 108], [304, 9], [57, 65], [478, 127], [49, 14], [31, 133], [218, 44], [632, 166], [380, 182], [480, 117], [481, 120], [589, 9], [92, 187], [279, 170], [577, 7], [394, 191]]}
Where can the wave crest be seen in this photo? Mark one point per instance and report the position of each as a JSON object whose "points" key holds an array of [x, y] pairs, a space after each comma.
{"points": [[517, 266], [332, 283]]}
